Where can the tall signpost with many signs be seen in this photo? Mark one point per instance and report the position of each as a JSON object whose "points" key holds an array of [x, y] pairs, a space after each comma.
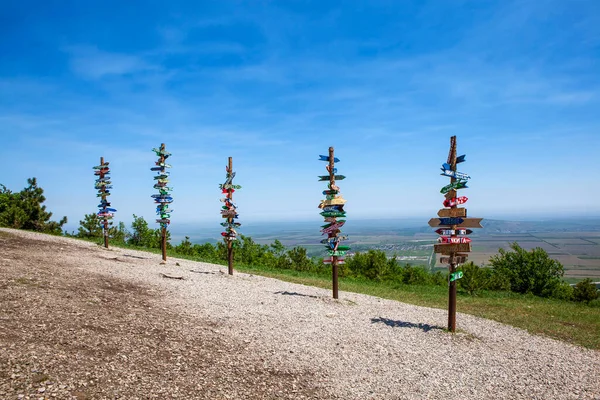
{"points": [[332, 208], [452, 223], [163, 198], [229, 211], [103, 185]]}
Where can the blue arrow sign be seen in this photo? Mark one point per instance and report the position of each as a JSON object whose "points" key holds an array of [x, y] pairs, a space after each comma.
{"points": [[451, 221], [326, 158], [460, 159], [455, 174]]}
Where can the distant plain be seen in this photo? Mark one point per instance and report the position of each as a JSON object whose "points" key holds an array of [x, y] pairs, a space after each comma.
{"points": [[574, 242]]}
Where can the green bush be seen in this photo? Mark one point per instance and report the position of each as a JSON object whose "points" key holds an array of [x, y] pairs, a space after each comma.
{"points": [[528, 272], [594, 303], [415, 275], [585, 291], [563, 291], [372, 265], [439, 279], [474, 278]]}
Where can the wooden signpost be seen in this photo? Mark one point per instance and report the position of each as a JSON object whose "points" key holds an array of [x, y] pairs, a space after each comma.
{"points": [[333, 208], [450, 220], [103, 184], [163, 198], [229, 211]]}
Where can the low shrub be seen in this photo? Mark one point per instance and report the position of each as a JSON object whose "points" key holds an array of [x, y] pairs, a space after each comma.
{"points": [[585, 291]]}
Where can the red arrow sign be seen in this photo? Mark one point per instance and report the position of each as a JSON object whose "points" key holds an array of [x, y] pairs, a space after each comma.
{"points": [[455, 201], [446, 239], [451, 232]]}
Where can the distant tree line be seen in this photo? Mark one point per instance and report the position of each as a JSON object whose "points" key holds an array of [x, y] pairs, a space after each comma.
{"points": [[516, 270]]}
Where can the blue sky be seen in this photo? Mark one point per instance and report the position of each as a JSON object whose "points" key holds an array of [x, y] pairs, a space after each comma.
{"points": [[275, 83]]}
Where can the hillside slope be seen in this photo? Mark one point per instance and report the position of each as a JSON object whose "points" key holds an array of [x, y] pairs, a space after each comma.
{"points": [[79, 321]]}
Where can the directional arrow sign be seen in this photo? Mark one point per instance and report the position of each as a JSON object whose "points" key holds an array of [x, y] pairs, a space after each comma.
{"points": [[333, 208], [449, 249], [455, 201], [461, 222], [471, 223], [331, 246], [453, 260], [454, 174], [451, 232], [340, 223], [333, 202], [444, 221], [452, 212], [460, 159], [450, 239], [326, 158], [333, 214], [332, 228], [336, 177], [456, 275], [454, 186]]}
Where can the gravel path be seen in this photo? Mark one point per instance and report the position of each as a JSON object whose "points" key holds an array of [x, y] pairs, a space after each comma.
{"points": [[359, 347]]}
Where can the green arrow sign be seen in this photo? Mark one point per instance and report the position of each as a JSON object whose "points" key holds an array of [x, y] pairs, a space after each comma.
{"points": [[456, 275]]}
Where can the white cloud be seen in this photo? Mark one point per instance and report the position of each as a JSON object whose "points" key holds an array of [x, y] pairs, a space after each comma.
{"points": [[91, 63]]}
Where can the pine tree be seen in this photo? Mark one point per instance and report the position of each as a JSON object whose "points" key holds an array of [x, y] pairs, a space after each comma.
{"points": [[24, 210]]}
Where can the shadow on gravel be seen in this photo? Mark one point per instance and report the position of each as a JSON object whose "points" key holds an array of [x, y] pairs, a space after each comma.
{"points": [[129, 255], [286, 293], [404, 324]]}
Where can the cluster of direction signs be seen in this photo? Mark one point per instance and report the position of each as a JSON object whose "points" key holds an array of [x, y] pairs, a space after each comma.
{"points": [[163, 198], [229, 209], [332, 208], [452, 223], [103, 185]]}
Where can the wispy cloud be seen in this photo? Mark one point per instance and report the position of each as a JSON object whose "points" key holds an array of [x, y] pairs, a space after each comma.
{"points": [[89, 62]]}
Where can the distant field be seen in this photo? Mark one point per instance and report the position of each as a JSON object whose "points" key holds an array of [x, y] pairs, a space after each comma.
{"points": [[575, 242], [579, 255]]}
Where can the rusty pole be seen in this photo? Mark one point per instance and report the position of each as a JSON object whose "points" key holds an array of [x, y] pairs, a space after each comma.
{"points": [[334, 259], [163, 239], [105, 224], [452, 267], [230, 220]]}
